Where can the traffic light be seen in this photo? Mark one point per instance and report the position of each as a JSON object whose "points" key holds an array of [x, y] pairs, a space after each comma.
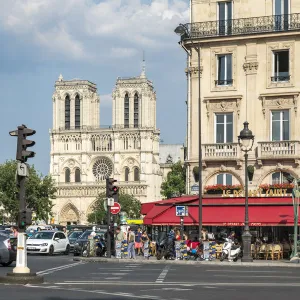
{"points": [[23, 143], [111, 189], [25, 218]]}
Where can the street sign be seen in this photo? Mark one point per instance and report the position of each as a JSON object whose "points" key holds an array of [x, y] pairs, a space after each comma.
{"points": [[116, 208], [22, 169], [110, 201], [181, 211], [195, 188]]}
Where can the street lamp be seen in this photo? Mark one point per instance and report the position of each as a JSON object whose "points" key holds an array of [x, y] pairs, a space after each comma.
{"points": [[183, 31], [246, 140]]}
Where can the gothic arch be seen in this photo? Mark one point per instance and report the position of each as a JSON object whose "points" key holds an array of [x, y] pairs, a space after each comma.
{"points": [[214, 173], [65, 94], [124, 93], [136, 92], [273, 170], [71, 163], [129, 162], [77, 94], [91, 208], [69, 213]]}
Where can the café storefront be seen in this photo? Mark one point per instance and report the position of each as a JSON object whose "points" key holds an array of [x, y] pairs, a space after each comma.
{"points": [[271, 213]]}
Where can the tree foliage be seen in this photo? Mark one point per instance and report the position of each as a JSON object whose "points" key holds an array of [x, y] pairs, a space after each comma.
{"points": [[129, 204], [39, 191], [174, 186]]}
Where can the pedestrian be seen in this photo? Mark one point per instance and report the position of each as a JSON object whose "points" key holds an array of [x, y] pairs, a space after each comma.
{"points": [[138, 241], [131, 240], [119, 237], [145, 241], [15, 231], [65, 231]]}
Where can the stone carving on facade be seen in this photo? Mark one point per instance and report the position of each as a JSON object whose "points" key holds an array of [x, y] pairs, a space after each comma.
{"points": [[193, 71], [223, 104], [279, 101], [250, 67], [279, 166], [222, 168]]}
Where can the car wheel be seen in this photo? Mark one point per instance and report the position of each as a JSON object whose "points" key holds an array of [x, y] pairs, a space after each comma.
{"points": [[67, 250], [51, 250], [76, 254], [6, 264]]}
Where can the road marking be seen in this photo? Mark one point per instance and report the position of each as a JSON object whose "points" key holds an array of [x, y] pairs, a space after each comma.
{"points": [[112, 278], [163, 275], [259, 276], [52, 270], [125, 295], [246, 271], [115, 274]]}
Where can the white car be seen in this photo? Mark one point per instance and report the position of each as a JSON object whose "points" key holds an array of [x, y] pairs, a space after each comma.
{"points": [[48, 242]]}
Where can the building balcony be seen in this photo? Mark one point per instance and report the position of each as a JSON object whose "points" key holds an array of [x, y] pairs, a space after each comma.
{"points": [[223, 152], [278, 150], [243, 26], [221, 82]]}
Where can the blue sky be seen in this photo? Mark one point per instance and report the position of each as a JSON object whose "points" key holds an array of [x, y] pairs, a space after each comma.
{"points": [[97, 40]]}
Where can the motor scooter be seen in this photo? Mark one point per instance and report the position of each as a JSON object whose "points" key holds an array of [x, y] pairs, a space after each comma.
{"points": [[231, 250], [100, 246]]}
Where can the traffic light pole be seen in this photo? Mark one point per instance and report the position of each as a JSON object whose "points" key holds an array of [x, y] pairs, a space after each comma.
{"points": [[108, 240], [21, 261]]}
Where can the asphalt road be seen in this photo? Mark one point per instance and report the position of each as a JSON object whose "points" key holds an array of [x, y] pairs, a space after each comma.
{"points": [[66, 279]]}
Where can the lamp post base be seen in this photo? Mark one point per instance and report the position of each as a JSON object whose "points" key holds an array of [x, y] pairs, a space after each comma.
{"points": [[246, 237]]}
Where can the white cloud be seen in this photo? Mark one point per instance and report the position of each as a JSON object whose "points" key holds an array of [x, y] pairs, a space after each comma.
{"points": [[77, 29]]}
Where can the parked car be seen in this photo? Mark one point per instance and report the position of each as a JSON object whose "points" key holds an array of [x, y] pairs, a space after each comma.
{"points": [[82, 241], [73, 236], [8, 249], [48, 242]]}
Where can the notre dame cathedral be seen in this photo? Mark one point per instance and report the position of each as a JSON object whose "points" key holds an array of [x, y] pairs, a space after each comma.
{"points": [[83, 153]]}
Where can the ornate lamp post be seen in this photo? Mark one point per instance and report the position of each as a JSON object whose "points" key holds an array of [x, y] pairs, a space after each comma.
{"points": [[183, 31], [246, 140]]}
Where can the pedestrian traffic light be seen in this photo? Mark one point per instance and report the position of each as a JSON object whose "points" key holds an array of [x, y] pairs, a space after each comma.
{"points": [[25, 218], [111, 189], [22, 132]]}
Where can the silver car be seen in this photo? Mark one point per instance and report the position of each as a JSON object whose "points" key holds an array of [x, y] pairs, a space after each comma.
{"points": [[8, 249]]}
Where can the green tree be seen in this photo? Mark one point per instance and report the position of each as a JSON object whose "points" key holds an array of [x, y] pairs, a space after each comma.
{"points": [[39, 191], [174, 186], [129, 204]]}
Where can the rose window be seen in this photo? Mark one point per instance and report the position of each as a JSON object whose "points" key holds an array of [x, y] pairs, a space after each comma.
{"points": [[102, 169]]}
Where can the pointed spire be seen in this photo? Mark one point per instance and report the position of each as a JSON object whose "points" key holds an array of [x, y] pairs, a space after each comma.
{"points": [[143, 74], [60, 78]]}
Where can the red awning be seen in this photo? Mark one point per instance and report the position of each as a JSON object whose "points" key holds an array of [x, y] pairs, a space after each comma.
{"points": [[280, 215]]}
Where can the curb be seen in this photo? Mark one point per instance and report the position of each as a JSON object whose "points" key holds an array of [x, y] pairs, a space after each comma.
{"points": [[15, 278], [180, 262]]}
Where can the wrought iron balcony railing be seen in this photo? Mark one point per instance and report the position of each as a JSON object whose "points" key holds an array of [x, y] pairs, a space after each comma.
{"points": [[224, 82], [280, 78], [243, 26]]}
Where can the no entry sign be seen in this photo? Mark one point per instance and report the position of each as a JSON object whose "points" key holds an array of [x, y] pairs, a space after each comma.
{"points": [[115, 209]]}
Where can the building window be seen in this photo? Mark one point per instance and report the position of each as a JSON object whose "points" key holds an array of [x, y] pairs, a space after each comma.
{"points": [[280, 128], [126, 174], [225, 179], [126, 111], [67, 175], [281, 12], [67, 112], [281, 68], [225, 17], [136, 174], [77, 112], [77, 175], [280, 177], [224, 128], [224, 70], [136, 110]]}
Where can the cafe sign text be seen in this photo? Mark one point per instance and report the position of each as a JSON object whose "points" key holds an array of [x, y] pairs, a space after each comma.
{"points": [[256, 193]]}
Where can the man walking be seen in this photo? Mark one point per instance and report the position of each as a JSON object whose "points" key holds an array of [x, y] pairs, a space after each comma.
{"points": [[131, 240]]}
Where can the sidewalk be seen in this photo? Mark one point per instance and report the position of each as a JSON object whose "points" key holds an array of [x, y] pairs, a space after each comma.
{"points": [[153, 260]]}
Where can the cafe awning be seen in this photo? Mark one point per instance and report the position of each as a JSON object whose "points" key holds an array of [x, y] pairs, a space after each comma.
{"points": [[224, 215]]}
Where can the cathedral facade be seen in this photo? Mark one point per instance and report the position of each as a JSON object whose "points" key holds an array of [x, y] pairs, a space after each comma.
{"points": [[83, 153]]}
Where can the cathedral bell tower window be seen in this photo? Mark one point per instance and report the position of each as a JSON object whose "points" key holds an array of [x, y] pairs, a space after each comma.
{"points": [[77, 112], [136, 174], [126, 111], [136, 110], [67, 112], [77, 175], [126, 174]]}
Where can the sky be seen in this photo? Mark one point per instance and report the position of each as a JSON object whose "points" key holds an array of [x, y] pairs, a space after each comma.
{"points": [[96, 40]]}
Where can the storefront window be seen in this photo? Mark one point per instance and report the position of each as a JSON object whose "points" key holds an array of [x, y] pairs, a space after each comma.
{"points": [[279, 177]]}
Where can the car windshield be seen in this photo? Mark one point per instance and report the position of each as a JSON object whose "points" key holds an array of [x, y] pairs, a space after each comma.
{"points": [[86, 234], [42, 236], [75, 234]]}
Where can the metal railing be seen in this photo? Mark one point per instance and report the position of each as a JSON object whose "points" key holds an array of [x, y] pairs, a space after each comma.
{"points": [[223, 82], [221, 151], [280, 78], [243, 26], [278, 149]]}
